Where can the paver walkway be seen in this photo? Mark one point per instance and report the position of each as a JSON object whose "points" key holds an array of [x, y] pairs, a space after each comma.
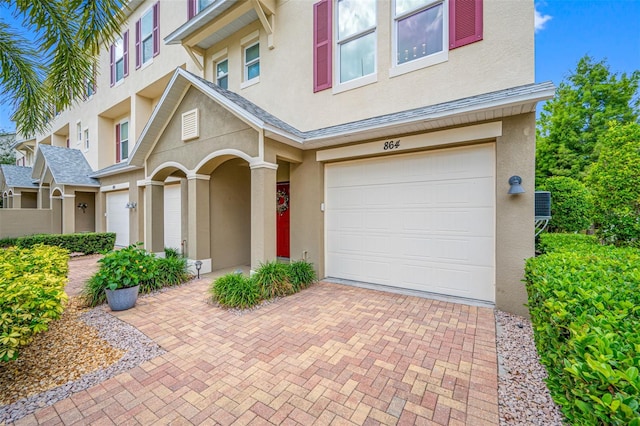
{"points": [[331, 354]]}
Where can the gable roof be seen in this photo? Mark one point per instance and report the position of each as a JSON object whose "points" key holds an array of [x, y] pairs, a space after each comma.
{"points": [[17, 176], [486, 106], [68, 166]]}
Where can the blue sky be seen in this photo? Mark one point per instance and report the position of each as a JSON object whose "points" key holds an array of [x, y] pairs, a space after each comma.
{"points": [[566, 30]]}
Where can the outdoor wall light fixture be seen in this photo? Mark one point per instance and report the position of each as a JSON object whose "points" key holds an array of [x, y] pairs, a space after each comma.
{"points": [[198, 264], [131, 205], [82, 206], [516, 185]]}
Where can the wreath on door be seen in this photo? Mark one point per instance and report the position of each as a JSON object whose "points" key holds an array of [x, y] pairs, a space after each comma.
{"points": [[282, 201]]}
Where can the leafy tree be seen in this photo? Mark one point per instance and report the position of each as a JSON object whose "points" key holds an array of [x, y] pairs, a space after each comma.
{"points": [[7, 155], [51, 69], [571, 204], [572, 123], [613, 180]]}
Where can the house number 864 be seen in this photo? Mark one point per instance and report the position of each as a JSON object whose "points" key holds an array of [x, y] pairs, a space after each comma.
{"points": [[389, 145]]}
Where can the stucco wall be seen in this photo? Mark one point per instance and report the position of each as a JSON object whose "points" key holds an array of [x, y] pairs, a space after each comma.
{"points": [[29, 200], [515, 153], [219, 129], [85, 220], [504, 58], [20, 222], [230, 192]]}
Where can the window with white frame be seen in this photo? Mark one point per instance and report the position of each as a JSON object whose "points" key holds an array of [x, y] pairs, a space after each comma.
{"points": [[419, 27], [146, 36], [122, 140], [118, 48], [356, 39], [79, 132], [202, 4], [90, 84], [86, 139], [252, 61], [222, 73]]}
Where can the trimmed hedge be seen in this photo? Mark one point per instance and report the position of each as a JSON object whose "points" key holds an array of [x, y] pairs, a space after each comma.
{"points": [[567, 242], [31, 294], [87, 243], [584, 302]]}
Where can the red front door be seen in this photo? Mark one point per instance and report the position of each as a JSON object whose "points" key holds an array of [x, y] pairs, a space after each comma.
{"points": [[282, 220]]}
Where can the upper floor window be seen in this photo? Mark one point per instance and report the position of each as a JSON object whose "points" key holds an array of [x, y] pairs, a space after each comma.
{"points": [[79, 132], [222, 73], [195, 6], [356, 38], [148, 35], [90, 84], [122, 141], [119, 53], [86, 139], [419, 26], [252, 61]]}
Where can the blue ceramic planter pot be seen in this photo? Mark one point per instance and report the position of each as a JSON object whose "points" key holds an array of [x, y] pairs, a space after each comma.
{"points": [[122, 298]]}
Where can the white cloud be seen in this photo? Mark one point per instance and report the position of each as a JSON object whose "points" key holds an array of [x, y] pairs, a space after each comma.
{"points": [[540, 20]]}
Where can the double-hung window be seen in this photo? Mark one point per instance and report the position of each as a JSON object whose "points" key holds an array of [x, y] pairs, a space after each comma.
{"points": [[419, 29], [356, 39], [148, 35], [122, 141], [119, 53], [86, 139], [252, 61], [196, 6], [78, 132], [222, 73]]}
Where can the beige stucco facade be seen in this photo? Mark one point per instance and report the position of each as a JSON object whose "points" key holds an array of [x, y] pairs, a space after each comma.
{"points": [[277, 129]]}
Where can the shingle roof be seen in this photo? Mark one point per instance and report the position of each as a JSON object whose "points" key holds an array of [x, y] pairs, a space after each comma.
{"points": [[17, 176], [114, 168], [68, 166], [407, 115]]}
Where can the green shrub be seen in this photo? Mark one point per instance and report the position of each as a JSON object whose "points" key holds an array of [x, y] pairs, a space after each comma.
{"points": [[585, 311], [131, 266], [567, 242], [301, 274], [31, 294], [235, 291], [171, 252], [87, 243], [613, 180], [7, 242], [571, 207], [171, 271], [273, 279], [122, 268]]}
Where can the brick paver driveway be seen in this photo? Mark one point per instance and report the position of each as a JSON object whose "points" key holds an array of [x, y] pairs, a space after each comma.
{"points": [[331, 354]]}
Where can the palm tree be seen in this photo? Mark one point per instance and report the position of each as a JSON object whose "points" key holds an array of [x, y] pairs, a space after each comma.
{"points": [[50, 69]]}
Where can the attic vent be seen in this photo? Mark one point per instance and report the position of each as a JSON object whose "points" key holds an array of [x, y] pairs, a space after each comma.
{"points": [[190, 128]]}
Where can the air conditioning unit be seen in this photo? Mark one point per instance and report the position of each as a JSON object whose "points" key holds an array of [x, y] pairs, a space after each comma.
{"points": [[542, 205]]}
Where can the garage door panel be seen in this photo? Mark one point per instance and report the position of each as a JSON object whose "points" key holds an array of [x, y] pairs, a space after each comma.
{"points": [[423, 221], [172, 216]]}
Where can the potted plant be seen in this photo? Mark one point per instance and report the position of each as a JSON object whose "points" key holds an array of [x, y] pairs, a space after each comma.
{"points": [[121, 273]]}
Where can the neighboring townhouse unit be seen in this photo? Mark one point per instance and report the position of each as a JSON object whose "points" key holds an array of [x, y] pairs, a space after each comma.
{"points": [[375, 139]]}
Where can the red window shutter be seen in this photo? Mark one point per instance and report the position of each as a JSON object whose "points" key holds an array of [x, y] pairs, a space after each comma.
{"points": [[465, 22], [156, 28], [117, 143], [112, 55], [125, 49], [322, 51], [138, 47], [191, 8]]}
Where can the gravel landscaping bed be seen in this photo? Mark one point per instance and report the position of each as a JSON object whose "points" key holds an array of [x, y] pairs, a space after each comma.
{"points": [[82, 349], [522, 394]]}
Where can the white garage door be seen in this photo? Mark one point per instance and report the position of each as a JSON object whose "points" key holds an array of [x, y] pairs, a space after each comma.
{"points": [[422, 221], [118, 216], [172, 216]]}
